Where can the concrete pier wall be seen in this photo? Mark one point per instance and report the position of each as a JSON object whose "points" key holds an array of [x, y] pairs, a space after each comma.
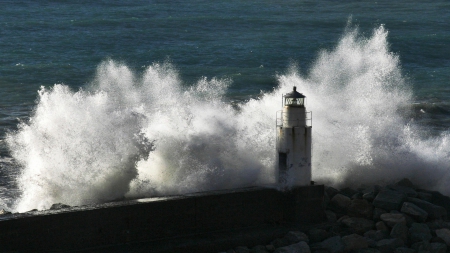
{"points": [[159, 219]]}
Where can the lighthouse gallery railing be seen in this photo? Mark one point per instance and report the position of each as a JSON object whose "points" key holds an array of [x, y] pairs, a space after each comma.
{"points": [[279, 119]]}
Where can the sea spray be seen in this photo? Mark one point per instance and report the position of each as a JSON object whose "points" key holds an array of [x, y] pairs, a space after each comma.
{"points": [[137, 136], [94, 145], [361, 133]]}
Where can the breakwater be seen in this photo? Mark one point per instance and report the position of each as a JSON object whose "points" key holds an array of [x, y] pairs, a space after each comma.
{"points": [[165, 224]]}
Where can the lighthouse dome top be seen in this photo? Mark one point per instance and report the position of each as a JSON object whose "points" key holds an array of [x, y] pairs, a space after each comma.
{"points": [[294, 98]]}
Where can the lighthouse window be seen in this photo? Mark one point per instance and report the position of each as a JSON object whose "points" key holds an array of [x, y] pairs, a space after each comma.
{"points": [[294, 101]]}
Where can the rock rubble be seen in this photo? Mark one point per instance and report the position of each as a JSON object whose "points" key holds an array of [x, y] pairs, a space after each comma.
{"points": [[398, 218]]}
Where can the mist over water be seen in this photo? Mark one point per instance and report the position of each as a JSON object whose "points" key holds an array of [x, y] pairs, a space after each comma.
{"points": [[146, 134]]}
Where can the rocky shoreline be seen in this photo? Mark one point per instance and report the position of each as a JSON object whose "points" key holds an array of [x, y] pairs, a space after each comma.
{"points": [[398, 218]]}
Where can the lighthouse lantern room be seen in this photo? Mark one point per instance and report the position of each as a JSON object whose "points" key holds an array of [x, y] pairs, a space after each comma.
{"points": [[294, 141]]}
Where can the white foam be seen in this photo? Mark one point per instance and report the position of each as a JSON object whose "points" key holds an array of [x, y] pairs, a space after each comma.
{"points": [[94, 145]]}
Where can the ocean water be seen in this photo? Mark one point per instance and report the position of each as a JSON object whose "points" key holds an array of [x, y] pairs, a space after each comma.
{"points": [[125, 99]]}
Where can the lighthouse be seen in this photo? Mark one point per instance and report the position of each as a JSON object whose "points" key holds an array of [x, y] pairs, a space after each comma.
{"points": [[294, 125]]}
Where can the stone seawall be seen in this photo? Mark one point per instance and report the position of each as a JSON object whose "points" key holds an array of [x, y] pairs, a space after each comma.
{"points": [[396, 218], [161, 221]]}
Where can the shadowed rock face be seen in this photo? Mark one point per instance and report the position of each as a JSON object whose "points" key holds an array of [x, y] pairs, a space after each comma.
{"points": [[398, 218]]}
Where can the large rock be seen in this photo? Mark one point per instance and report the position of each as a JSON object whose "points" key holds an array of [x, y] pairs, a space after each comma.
{"points": [[317, 235], [421, 247], [333, 244], [242, 249], [259, 249], [296, 236], [434, 211], [389, 245], [438, 224], [376, 235], [368, 250], [416, 212], [419, 232], [400, 231], [389, 200], [381, 226], [331, 192], [349, 192], [331, 216], [404, 250], [377, 212], [391, 219], [340, 203], [360, 208], [301, 247], [444, 234], [359, 225], [437, 247], [354, 242], [425, 196], [408, 191], [280, 242], [58, 206], [405, 183]]}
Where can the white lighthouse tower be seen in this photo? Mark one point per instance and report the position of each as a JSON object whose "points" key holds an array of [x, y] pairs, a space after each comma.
{"points": [[294, 141]]}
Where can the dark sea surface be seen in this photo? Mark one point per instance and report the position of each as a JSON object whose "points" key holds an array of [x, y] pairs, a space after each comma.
{"points": [[243, 45]]}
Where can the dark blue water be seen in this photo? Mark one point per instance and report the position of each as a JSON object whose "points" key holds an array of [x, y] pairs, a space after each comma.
{"points": [[247, 43]]}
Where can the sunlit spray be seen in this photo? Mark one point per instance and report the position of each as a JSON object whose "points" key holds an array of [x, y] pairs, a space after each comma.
{"points": [[140, 135]]}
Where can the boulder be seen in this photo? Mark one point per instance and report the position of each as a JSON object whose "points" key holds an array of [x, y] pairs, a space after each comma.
{"points": [[376, 235], [358, 195], [391, 219], [389, 245], [259, 249], [280, 242], [340, 203], [439, 199], [404, 250], [405, 183], [437, 247], [331, 216], [434, 211], [381, 226], [416, 212], [419, 232], [354, 242], [270, 248], [295, 237], [58, 206], [408, 191], [330, 191], [359, 225], [444, 234], [360, 208], [425, 196], [333, 244], [377, 212], [301, 247], [421, 247], [242, 249], [317, 235], [438, 224], [349, 192], [389, 200], [368, 250], [370, 196], [400, 231]]}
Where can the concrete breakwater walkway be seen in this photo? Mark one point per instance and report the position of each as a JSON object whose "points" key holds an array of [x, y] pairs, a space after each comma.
{"points": [[199, 222], [397, 218]]}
